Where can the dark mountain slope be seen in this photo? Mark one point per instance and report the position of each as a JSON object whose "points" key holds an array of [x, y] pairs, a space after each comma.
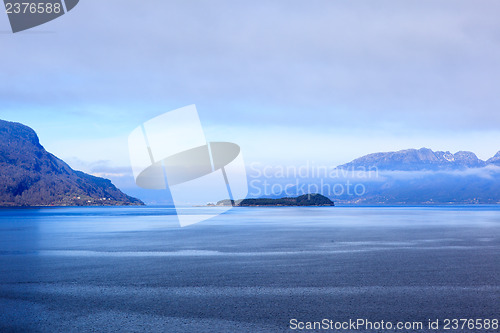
{"points": [[31, 176]]}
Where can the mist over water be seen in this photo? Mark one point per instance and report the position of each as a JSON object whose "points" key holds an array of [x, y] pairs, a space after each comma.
{"points": [[248, 270]]}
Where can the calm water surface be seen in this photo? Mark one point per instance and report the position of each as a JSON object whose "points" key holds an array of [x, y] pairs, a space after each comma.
{"points": [[249, 270]]}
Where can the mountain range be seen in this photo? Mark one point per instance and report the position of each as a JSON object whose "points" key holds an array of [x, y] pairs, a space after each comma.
{"points": [[423, 176], [420, 159], [31, 176]]}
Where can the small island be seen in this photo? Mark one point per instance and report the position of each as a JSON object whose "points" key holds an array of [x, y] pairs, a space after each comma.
{"points": [[314, 199]]}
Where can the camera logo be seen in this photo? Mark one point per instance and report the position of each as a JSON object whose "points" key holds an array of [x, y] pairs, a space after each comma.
{"points": [[26, 14], [170, 151]]}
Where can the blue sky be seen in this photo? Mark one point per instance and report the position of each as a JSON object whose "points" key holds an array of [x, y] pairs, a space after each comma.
{"points": [[290, 81]]}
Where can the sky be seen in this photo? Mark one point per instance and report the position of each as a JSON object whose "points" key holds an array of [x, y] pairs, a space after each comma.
{"points": [[289, 81]]}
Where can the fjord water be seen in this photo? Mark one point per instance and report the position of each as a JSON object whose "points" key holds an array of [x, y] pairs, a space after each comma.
{"points": [[248, 270]]}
